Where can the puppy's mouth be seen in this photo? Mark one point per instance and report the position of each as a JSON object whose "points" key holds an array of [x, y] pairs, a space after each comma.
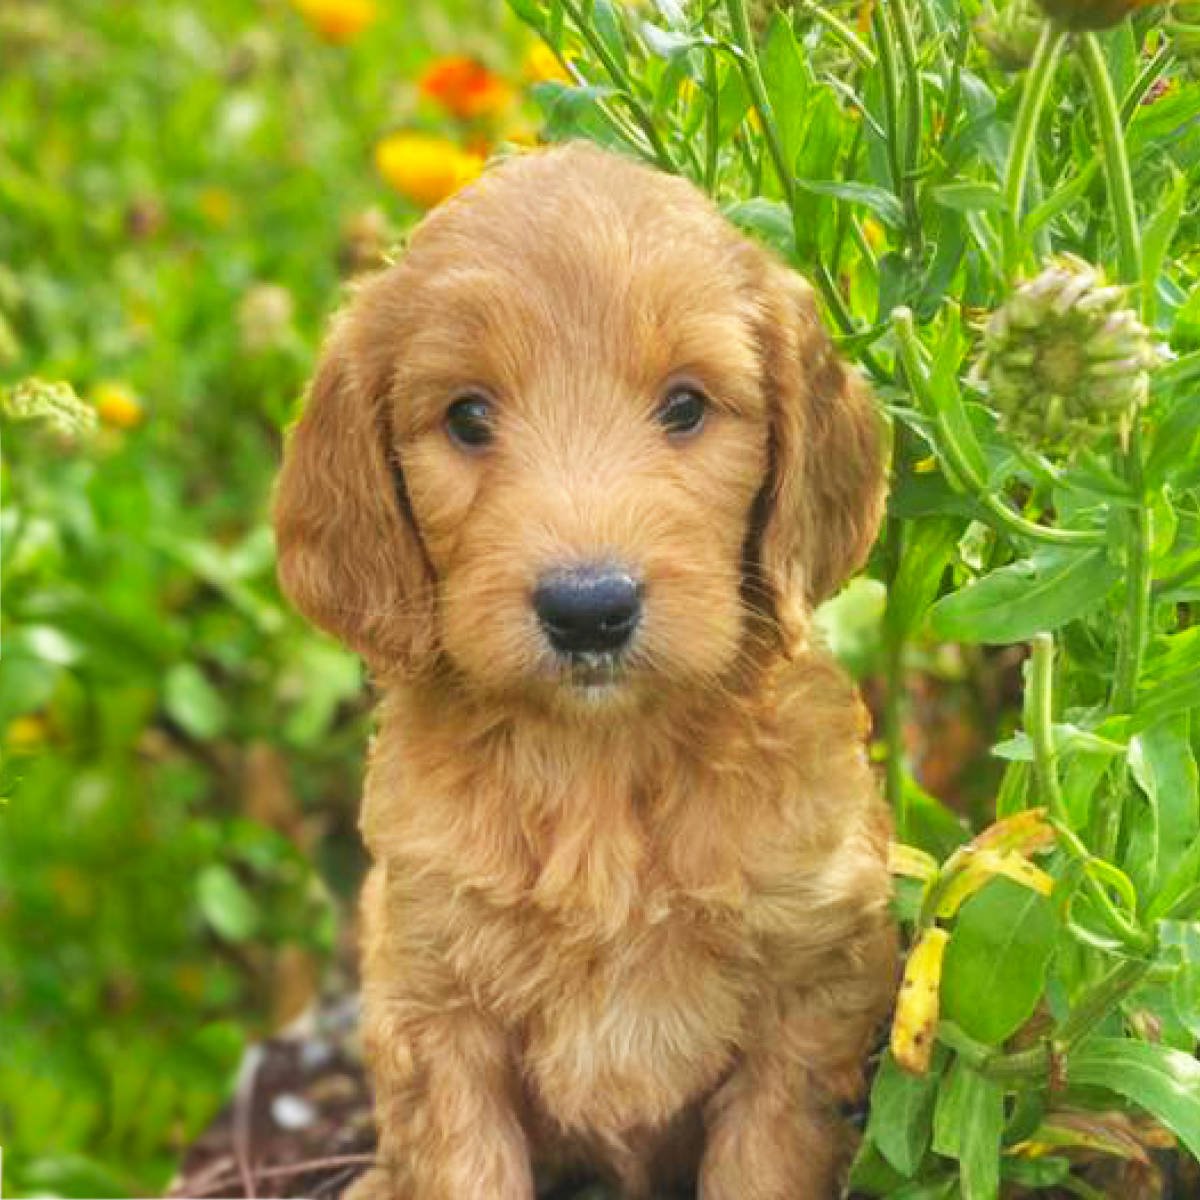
{"points": [[593, 672]]}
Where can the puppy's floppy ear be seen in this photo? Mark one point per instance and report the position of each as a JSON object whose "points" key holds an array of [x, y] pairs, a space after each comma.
{"points": [[350, 558], [823, 500]]}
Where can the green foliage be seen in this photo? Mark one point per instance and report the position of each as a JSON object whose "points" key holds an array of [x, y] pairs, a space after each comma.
{"points": [[918, 183], [181, 187]]}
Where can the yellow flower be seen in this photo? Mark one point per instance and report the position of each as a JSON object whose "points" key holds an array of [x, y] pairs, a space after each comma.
{"points": [[338, 21], [26, 733], [216, 205], [424, 168], [541, 65], [873, 232], [117, 405]]}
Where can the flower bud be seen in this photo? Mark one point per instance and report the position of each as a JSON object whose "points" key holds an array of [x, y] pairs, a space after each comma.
{"points": [[1065, 358]]}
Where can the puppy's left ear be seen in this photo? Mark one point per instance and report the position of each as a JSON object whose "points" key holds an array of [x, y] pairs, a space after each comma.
{"points": [[823, 500]]}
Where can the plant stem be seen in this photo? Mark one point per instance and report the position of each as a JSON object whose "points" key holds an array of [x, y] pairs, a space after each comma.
{"points": [[712, 143], [1100, 999], [624, 85], [1137, 589], [1038, 718], [914, 116], [1116, 161], [1145, 81], [1020, 151], [885, 43], [841, 32], [895, 703], [747, 60], [1095, 1004]]}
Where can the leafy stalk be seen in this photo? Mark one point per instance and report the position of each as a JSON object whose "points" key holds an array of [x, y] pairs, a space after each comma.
{"points": [[1020, 152], [1002, 514]]}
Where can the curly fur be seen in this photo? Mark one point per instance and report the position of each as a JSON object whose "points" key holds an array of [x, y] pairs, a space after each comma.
{"points": [[640, 928]]}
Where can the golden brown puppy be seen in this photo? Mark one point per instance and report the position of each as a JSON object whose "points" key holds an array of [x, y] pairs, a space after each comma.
{"points": [[572, 476]]}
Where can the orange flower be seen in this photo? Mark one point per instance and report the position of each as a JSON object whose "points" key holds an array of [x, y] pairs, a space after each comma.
{"points": [[426, 169], [338, 21], [1078, 15], [465, 88]]}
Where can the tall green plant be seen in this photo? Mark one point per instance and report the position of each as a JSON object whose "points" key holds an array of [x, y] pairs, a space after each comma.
{"points": [[1046, 490]]}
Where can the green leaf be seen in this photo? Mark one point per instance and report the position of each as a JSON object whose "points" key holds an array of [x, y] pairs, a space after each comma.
{"points": [[571, 111], [786, 73], [1172, 679], [996, 960], [193, 703], [979, 1148], [901, 1114], [1179, 947], [1168, 819], [949, 1108], [880, 201], [1032, 596], [1164, 1082], [769, 220], [606, 22], [928, 548], [1159, 233], [970, 197], [227, 906]]}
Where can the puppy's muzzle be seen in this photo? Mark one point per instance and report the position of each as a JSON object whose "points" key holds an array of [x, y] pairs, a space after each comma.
{"points": [[588, 609]]}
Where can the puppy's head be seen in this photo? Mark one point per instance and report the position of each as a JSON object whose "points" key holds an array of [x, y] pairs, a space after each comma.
{"points": [[583, 441]]}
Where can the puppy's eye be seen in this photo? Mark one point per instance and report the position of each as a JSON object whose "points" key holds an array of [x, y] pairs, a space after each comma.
{"points": [[682, 413], [470, 423]]}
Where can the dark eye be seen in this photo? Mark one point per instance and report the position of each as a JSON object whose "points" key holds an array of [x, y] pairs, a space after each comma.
{"points": [[469, 422], [682, 412]]}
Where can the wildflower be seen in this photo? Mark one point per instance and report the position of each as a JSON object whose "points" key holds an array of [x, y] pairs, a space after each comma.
{"points": [[25, 734], [216, 206], [1064, 356], [465, 88], [55, 404], [541, 65], [1010, 33], [1080, 15], [265, 317], [338, 21], [426, 169], [919, 1002], [873, 232], [117, 405]]}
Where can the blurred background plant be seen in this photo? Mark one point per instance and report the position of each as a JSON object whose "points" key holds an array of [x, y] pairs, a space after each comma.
{"points": [[1000, 216], [185, 188]]}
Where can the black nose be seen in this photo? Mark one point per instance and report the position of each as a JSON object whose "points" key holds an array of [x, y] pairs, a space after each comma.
{"points": [[588, 609]]}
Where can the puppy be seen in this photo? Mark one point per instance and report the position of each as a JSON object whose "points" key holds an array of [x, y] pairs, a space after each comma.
{"points": [[572, 476]]}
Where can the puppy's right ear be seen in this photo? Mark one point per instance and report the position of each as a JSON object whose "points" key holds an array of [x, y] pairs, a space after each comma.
{"points": [[349, 556]]}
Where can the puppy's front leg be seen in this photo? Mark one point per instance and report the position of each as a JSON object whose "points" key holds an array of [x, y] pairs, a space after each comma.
{"points": [[770, 1137], [444, 1104], [772, 1128]]}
